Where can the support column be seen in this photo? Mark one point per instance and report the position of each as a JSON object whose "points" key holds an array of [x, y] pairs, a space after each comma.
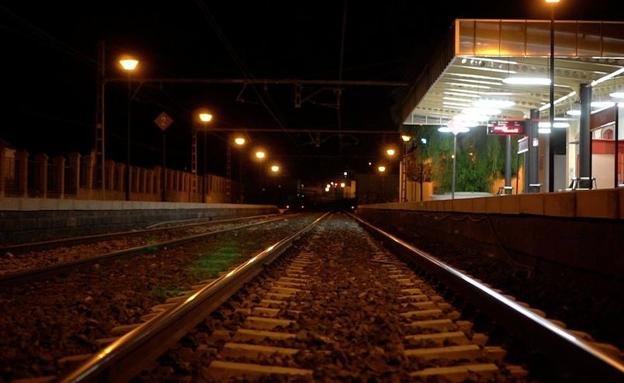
{"points": [[585, 152], [533, 166], [547, 139], [508, 165]]}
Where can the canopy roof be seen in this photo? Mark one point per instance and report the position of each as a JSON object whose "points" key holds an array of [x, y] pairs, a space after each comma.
{"points": [[479, 54]]}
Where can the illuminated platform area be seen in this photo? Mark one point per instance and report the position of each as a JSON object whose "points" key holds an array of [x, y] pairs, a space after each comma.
{"points": [[496, 73]]}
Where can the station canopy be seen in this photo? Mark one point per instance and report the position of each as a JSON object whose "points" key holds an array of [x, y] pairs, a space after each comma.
{"points": [[492, 69]]}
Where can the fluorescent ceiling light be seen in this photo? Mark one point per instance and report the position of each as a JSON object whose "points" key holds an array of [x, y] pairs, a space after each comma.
{"points": [[573, 112], [617, 94], [498, 93], [479, 81], [499, 104], [607, 77], [474, 76], [465, 91], [460, 94], [469, 85], [457, 99], [488, 60], [456, 130], [516, 80], [486, 69], [545, 124], [451, 103], [557, 101], [543, 130], [602, 104]]}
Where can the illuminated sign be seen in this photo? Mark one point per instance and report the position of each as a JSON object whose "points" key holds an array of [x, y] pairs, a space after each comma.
{"points": [[506, 127]]}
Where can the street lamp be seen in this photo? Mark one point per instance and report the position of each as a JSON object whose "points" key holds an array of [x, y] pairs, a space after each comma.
{"points": [[204, 118], [406, 138], [455, 128], [129, 65], [239, 141], [381, 169], [260, 155], [390, 152], [551, 68], [275, 169]]}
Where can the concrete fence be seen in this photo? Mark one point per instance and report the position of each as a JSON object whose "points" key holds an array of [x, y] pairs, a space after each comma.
{"points": [[74, 177]]}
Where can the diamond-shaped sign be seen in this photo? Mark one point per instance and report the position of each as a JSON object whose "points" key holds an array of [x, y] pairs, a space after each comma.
{"points": [[163, 121]]}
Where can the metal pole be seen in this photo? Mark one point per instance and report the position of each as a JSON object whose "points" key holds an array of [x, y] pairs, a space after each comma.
{"points": [[228, 172], [585, 168], [533, 167], [547, 155], [128, 175], [454, 165], [422, 173], [100, 131], [164, 166], [204, 166], [617, 154], [508, 162]]}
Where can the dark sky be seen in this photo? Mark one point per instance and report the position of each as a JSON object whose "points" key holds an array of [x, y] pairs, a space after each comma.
{"points": [[49, 65]]}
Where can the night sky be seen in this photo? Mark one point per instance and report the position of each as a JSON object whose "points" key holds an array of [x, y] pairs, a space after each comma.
{"points": [[49, 70]]}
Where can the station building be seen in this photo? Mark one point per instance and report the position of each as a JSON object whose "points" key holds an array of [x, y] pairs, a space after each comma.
{"points": [[496, 72]]}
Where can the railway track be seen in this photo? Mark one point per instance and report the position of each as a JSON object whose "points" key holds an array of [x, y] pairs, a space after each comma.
{"points": [[35, 263], [338, 306], [50, 323]]}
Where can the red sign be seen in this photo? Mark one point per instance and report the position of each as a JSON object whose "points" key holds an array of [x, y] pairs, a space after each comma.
{"points": [[163, 121], [506, 127]]}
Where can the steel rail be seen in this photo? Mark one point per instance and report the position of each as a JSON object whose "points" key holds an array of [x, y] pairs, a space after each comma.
{"points": [[571, 355], [39, 272], [41, 245], [131, 353]]}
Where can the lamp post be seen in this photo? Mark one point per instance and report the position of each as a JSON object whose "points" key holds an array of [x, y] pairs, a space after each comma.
{"points": [[129, 65], [403, 169], [551, 113], [260, 156], [239, 142], [456, 129], [423, 141], [205, 118]]}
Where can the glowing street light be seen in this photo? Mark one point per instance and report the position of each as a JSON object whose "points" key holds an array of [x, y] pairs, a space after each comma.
{"points": [[275, 168], [239, 141], [406, 138], [390, 152], [128, 63], [381, 169], [205, 117], [260, 154], [342, 185]]}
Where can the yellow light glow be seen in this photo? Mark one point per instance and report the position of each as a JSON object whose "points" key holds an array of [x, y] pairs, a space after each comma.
{"points": [[406, 138], [260, 154], [390, 152], [240, 141], [129, 64], [205, 117], [381, 168], [342, 185], [275, 168], [552, 1]]}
